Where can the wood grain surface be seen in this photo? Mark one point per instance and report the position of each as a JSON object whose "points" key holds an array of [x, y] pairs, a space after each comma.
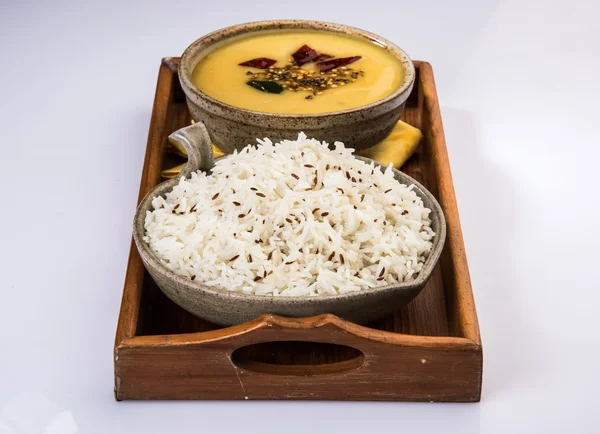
{"points": [[429, 350]]}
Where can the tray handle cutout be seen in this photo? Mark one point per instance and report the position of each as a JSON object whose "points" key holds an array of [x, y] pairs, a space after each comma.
{"points": [[297, 358], [318, 345]]}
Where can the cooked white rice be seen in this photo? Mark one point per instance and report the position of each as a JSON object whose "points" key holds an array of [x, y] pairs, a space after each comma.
{"points": [[292, 218]]}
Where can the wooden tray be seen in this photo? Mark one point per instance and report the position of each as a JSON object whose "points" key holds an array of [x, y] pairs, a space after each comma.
{"points": [[428, 351]]}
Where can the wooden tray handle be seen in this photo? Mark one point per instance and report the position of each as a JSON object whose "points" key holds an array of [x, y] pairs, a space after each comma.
{"points": [[196, 141], [272, 333], [325, 328]]}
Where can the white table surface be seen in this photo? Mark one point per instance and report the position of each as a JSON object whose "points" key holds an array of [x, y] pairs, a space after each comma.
{"points": [[518, 83]]}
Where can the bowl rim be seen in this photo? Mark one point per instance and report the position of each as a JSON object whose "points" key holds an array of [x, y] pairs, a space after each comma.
{"points": [[149, 257], [191, 91]]}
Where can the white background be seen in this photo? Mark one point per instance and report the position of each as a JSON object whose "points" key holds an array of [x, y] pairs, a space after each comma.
{"points": [[519, 83]]}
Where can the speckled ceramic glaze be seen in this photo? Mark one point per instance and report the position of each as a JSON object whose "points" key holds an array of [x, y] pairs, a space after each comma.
{"points": [[232, 127], [227, 308]]}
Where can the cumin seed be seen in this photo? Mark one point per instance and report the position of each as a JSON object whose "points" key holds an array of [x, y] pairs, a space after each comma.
{"points": [[193, 277], [341, 259], [309, 165], [388, 190], [295, 176], [241, 216], [325, 214], [381, 273], [215, 196], [236, 203], [270, 256], [250, 257], [234, 258], [260, 194], [331, 256]]}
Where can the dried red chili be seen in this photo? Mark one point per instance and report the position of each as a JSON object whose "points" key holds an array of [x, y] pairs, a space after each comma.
{"points": [[259, 62], [305, 54], [336, 63]]}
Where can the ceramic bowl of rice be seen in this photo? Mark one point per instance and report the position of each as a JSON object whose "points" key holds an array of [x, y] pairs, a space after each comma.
{"points": [[296, 228]]}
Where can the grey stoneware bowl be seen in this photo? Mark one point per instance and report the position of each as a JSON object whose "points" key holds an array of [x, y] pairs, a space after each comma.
{"points": [[223, 307], [233, 127]]}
